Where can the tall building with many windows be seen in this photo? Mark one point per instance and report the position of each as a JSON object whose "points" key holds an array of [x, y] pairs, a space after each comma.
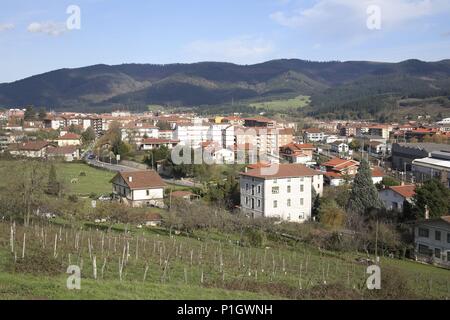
{"points": [[281, 191]]}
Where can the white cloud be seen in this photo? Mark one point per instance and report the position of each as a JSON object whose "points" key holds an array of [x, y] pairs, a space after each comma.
{"points": [[50, 28], [243, 49], [6, 26], [330, 14]]}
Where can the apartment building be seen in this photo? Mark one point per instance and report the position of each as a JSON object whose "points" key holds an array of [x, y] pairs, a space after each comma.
{"points": [[281, 191]]}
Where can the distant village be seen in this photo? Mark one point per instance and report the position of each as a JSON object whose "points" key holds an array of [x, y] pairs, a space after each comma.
{"points": [[299, 162]]}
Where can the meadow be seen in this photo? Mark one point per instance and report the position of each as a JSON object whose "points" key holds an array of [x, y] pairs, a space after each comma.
{"points": [[88, 179], [283, 105]]}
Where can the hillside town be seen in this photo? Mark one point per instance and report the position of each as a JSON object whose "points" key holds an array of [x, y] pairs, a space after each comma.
{"points": [[282, 169]]}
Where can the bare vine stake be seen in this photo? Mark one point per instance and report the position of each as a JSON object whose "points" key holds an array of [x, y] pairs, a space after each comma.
{"points": [[145, 271], [94, 266], [54, 247], [11, 239], [137, 248], [23, 245], [185, 276], [103, 266], [89, 248]]}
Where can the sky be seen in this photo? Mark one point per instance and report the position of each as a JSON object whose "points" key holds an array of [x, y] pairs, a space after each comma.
{"points": [[35, 36]]}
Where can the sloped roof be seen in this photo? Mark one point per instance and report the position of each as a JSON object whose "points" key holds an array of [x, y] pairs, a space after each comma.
{"points": [[281, 171], [148, 179], [407, 191]]}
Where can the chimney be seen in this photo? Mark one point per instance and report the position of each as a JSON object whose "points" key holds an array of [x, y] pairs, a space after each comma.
{"points": [[130, 179], [427, 213]]}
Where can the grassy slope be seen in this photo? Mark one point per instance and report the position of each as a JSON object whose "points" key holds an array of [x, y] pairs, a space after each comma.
{"points": [[28, 287], [283, 105], [96, 181]]}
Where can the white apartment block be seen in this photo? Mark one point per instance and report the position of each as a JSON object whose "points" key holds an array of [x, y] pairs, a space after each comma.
{"points": [[191, 135], [281, 191]]}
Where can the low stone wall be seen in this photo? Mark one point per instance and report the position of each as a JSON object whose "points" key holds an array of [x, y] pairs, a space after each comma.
{"points": [[132, 164]]}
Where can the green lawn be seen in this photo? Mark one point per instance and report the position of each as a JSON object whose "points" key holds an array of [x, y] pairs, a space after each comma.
{"points": [[283, 105], [96, 181]]}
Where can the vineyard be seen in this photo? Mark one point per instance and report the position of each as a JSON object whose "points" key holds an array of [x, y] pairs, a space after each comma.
{"points": [[152, 264]]}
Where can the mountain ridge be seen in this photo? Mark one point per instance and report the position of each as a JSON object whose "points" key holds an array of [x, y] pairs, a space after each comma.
{"points": [[214, 83]]}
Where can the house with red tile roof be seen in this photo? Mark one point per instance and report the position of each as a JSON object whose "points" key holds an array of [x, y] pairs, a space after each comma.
{"points": [[69, 139], [394, 197], [281, 191], [297, 153], [139, 188]]}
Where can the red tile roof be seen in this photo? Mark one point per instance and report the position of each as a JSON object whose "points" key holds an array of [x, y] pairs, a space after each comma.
{"points": [[407, 191], [141, 179], [70, 136], [377, 172]]}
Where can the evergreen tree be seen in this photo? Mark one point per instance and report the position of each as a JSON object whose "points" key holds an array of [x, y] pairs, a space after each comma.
{"points": [[434, 195], [53, 187], [364, 194], [30, 114]]}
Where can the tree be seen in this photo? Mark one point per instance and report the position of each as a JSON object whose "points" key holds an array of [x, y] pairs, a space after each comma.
{"points": [[434, 195], [42, 114], [30, 114], [53, 187], [364, 195], [156, 155], [164, 125], [330, 214], [355, 145], [88, 136]]}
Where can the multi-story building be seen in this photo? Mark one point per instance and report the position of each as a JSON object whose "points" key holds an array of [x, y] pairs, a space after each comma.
{"points": [[403, 154], [432, 241], [281, 191], [314, 135], [435, 167], [135, 132]]}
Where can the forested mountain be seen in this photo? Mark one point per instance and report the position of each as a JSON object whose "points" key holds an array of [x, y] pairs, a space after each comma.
{"points": [[333, 86]]}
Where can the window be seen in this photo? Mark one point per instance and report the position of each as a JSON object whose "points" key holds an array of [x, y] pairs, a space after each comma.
{"points": [[253, 189], [259, 189], [302, 201], [424, 250], [302, 188], [302, 179], [288, 189], [424, 233], [301, 216], [275, 180], [253, 203], [246, 187], [259, 203], [437, 253], [448, 256], [275, 204], [437, 235], [246, 200], [289, 180], [275, 190], [289, 202], [448, 237]]}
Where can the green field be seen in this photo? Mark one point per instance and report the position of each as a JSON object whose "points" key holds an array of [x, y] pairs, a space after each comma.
{"points": [[96, 181], [283, 105]]}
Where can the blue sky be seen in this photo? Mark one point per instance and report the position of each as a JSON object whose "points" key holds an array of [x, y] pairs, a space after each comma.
{"points": [[34, 37]]}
